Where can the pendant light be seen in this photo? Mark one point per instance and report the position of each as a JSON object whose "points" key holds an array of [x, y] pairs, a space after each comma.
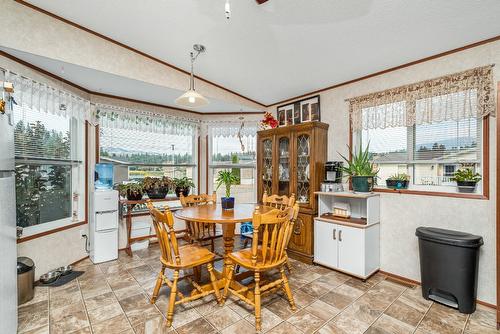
{"points": [[192, 99]]}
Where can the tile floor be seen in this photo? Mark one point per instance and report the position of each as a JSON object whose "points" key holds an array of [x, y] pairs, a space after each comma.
{"points": [[114, 298]]}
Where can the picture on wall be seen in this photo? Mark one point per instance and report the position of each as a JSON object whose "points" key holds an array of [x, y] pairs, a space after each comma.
{"points": [[301, 111], [286, 115]]}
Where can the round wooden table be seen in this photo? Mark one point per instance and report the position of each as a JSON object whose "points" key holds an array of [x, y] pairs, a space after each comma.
{"points": [[213, 213]]}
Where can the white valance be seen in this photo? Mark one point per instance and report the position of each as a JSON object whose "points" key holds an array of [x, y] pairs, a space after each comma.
{"points": [[43, 98], [233, 129], [462, 95], [132, 119]]}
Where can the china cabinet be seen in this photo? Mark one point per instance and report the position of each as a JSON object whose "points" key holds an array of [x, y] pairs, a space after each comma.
{"points": [[291, 160]]}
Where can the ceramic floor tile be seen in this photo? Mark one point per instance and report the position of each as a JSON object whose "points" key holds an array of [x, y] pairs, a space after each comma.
{"points": [[403, 312], [305, 321], [104, 313], [115, 325], [316, 288], [484, 317], [322, 310], [199, 326], [100, 301], [239, 327], [285, 328], [269, 319], [40, 330], [223, 318], [388, 325], [155, 325], [281, 308], [138, 309]]}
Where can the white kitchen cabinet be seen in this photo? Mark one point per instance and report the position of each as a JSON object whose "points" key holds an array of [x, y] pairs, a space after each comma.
{"points": [[348, 245]]}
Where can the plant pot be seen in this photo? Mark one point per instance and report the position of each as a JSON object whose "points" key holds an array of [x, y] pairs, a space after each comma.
{"points": [[397, 184], [362, 184], [158, 193], [134, 195], [466, 186], [184, 191], [227, 203]]}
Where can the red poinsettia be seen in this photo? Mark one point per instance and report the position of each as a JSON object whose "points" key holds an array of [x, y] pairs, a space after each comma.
{"points": [[269, 121]]}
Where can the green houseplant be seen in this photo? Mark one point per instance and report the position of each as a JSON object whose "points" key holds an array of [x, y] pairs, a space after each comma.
{"points": [[398, 181], [361, 171], [227, 178], [466, 180], [157, 188], [183, 185], [133, 191]]}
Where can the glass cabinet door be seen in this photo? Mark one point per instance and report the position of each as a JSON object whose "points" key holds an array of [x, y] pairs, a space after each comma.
{"points": [[303, 169], [267, 166], [284, 166]]}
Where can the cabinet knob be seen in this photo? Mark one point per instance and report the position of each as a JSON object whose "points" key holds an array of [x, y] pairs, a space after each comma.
{"points": [[334, 231]]}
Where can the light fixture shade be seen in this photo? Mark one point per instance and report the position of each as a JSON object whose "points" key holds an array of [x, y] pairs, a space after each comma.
{"points": [[191, 99]]}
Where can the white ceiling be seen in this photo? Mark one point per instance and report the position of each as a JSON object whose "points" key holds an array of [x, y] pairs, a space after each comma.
{"points": [[103, 82], [285, 48]]}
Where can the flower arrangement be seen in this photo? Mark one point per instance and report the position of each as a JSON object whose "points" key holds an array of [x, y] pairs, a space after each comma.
{"points": [[269, 122]]}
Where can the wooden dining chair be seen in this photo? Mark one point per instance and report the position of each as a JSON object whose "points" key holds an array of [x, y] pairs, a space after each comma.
{"points": [[275, 201], [201, 232], [179, 258], [277, 227]]}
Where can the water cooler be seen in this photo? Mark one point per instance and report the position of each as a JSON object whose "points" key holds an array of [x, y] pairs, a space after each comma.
{"points": [[103, 227]]}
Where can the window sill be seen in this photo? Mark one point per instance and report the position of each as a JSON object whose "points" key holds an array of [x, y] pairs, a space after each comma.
{"points": [[52, 231], [431, 193]]}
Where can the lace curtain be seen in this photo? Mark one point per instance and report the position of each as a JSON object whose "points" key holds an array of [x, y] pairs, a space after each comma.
{"points": [[232, 129], [124, 118], [43, 98], [463, 95]]}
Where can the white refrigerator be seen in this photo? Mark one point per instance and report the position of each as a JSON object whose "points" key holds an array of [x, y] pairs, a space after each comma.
{"points": [[8, 248]]}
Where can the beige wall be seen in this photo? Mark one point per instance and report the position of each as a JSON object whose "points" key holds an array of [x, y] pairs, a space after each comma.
{"points": [[402, 214]]}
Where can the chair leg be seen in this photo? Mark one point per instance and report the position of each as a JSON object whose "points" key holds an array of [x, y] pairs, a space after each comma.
{"points": [[258, 320], [197, 274], [213, 279], [159, 282], [228, 283], [288, 266], [171, 301], [287, 289]]}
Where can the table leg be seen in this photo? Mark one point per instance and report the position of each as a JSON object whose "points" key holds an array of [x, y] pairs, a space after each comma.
{"points": [[228, 236], [128, 222]]}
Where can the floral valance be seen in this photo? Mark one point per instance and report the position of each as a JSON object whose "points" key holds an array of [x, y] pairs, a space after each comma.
{"points": [[452, 97], [132, 119], [43, 98]]}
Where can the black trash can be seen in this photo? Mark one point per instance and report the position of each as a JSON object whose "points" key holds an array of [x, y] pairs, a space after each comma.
{"points": [[448, 266]]}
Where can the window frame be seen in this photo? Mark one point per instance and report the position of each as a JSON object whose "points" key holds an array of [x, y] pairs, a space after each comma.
{"points": [[485, 166], [210, 166]]}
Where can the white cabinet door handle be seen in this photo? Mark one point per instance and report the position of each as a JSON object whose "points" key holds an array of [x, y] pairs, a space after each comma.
{"points": [[340, 235], [334, 231]]}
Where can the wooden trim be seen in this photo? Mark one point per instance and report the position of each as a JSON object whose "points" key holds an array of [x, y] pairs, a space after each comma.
{"points": [[206, 163], [392, 69], [198, 164], [86, 138], [497, 207], [413, 282], [97, 144], [78, 261], [485, 163], [55, 230], [56, 77], [76, 25]]}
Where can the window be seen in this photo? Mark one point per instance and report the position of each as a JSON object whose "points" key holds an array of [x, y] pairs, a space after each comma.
{"points": [[140, 153], [49, 169], [238, 153], [430, 152]]}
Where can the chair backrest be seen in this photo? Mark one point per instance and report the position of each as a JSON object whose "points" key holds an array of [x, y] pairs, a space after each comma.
{"points": [[163, 223], [276, 228], [279, 202], [194, 200]]}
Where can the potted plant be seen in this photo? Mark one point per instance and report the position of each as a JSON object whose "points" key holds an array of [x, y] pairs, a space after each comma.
{"points": [[361, 171], [227, 178], [133, 191], [466, 180], [183, 185], [398, 181], [157, 188]]}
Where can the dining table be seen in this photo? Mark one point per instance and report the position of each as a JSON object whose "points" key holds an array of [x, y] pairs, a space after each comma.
{"points": [[215, 214]]}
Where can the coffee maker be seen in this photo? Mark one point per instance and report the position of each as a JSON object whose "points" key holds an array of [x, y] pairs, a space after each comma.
{"points": [[333, 177]]}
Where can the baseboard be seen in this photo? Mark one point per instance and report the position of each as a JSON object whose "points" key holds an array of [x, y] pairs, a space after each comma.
{"points": [[78, 261], [408, 280]]}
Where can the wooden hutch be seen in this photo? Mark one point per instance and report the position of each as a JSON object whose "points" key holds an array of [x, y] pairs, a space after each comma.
{"points": [[290, 160]]}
